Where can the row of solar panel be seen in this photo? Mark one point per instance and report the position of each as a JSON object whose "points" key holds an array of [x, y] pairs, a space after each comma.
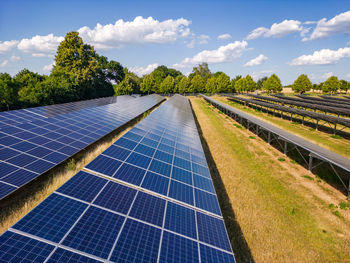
{"points": [[92, 216], [16, 117], [142, 212], [30, 149]]}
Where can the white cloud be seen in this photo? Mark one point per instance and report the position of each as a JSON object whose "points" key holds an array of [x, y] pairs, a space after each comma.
{"points": [[4, 63], [348, 76], [203, 39], [322, 57], [277, 29], [340, 24], [256, 61], [15, 58], [224, 36], [226, 53], [42, 55], [40, 44], [325, 76], [48, 68], [139, 31], [7, 45], [140, 71], [260, 74]]}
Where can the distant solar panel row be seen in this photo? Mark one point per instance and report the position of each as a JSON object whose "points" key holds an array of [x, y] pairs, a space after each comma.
{"points": [[30, 149], [154, 203], [16, 117]]}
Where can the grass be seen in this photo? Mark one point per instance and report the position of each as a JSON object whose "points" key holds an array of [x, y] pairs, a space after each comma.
{"points": [[34, 193], [308, 177], [282, 218], [323, 139]]}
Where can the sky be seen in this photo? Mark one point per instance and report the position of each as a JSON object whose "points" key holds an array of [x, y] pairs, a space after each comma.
{"points": [[257, 37]]}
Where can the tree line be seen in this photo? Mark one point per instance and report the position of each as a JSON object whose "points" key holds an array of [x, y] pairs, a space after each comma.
{"points": [[79, 73]]}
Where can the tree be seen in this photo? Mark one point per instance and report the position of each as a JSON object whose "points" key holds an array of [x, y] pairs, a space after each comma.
{"points": [[344, 85], [8, 91], [240, 85], [222, 83], [302, 84], [183, 85], [260, 82], [272, 84], [331, 85], [148, 84], [210, 86], [250, 83], [167, 85], [202, 70], [197, 84], [124, 87]]}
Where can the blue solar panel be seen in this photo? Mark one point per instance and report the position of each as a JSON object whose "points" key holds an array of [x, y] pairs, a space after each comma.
{"points": [[5, 189], [128, 144], [52, 218], [207, 201], [62, 255], [146, 150], [156, 183], [132, 136], [117, 152], [180, 219], [209, 255], [181, 192], [160, 167], [39, 166], [130, 174], [19, 177], [17, 248], [6, 169], [116, 197], [212, 231], [105, 165], [95, 232], [83, 186], [182, 163], [149, 142], [203, 183], [166, 148], [138, 242], [177, 249], [165, 157], [204, 171], [139, 160], [182, 175], [6, 153], [148, 208], [21, 160]]}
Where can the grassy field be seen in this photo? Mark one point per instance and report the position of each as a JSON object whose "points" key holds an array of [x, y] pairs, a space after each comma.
{"points": [[275, 210], [335, 143]]}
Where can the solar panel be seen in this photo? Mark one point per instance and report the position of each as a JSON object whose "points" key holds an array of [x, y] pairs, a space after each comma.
{"points": [[139, 212], [38, 145]]}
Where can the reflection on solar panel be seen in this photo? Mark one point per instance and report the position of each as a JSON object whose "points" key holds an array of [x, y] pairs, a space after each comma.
{"points": [[133, 213], [33, 147]]}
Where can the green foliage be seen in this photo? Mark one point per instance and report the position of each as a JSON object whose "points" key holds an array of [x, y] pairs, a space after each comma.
{"points": [[302, 84], [210, 86], [272, 84], [148, 84], [71, 165], [250, 84], [331, 85], [161, 72], [240, 85], [168, 85], [8, 91], [197, 84], [223, 83], [281, 159], [124, 87], [308, 177], [183, 85], [260, 82], [344, 206], [202, 70], [344, 85]]}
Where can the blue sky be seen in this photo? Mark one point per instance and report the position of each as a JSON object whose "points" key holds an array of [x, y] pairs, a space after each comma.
{"points": [[257, 37]]}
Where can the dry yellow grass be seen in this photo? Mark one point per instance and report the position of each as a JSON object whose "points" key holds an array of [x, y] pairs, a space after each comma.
{"points": [[272, 213], [38, 191]]}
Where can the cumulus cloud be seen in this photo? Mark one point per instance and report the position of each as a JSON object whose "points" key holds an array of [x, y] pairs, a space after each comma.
{"points": [[348, 76], [284, 28], [256, 61], [139, 31], [40, 45], [15, 58], [224, 36], [322, 57], [7, 45], [327, 75], [48, 68], [140, 71], [225, 53], [340, 24], [4, 63]]}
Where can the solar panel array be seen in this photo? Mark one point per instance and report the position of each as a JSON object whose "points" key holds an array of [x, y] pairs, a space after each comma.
{"points": [[148, 198], [32, 148]]}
